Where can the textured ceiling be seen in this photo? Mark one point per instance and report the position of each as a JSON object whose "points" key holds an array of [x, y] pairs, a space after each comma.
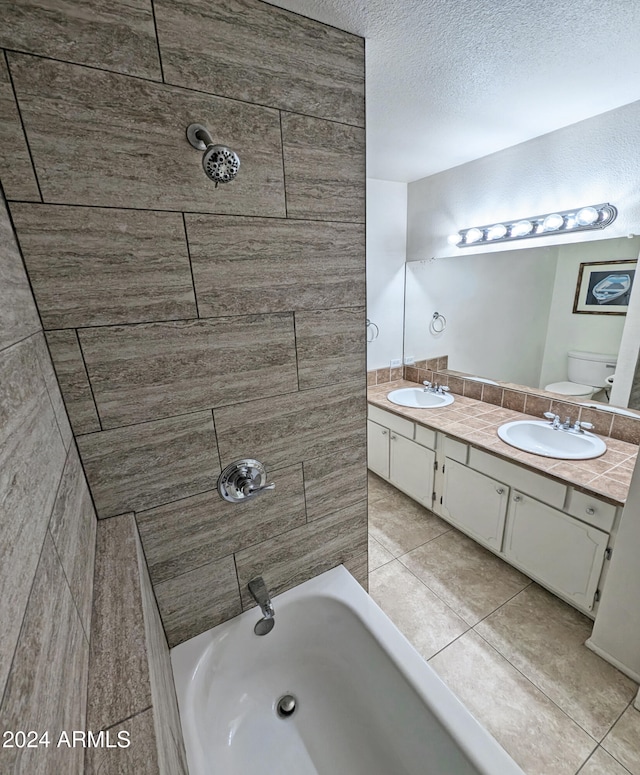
{"points": [[452, 80]]}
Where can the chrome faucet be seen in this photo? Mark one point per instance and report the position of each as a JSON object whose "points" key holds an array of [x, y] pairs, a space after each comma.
{"points": [[577, 427], [259, 593], [430, 387]]}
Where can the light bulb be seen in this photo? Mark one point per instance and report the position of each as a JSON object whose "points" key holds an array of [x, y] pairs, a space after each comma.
{"points": [[521, 229], [586, 216], [473, 235], [552, 222], [454, 239], [497, 232]]}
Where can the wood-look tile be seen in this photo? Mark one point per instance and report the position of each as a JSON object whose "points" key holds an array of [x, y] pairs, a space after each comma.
{"points": [[198, 600], [47, 686], [141, 757], [188, 533], [170, 744], [331, 346], [470, 579], [304, 552], [531, 728], [95, 267], [358, 567], [74, 382], [622, 741], [427, 622], [288, 61], [292, 428], [334, 481], [153, 370], [53, 388], [104, 139], [543, 638], [32, 458], [274, 264], [119, 684], [16, 171], [18, 313], [73, 529], [116, 36], [324, 169], [141, 466]]}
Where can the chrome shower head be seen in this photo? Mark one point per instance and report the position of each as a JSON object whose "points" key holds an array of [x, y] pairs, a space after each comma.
{"points": [[220, 163]]}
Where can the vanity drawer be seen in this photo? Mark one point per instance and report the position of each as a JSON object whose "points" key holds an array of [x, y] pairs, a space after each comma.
{"points": [[547, 490], [425, 436], [455, 450], [392, 421], [591, 510]]}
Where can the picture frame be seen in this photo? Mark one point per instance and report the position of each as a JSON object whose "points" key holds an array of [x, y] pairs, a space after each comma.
{"points": [[604, 287]]}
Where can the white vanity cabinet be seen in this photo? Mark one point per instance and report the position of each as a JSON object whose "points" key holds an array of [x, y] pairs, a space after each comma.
{"points": [[552, 547], [395, 456], [475, 503]]}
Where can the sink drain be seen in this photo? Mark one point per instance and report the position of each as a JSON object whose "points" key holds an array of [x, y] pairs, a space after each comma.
{"points": [[286, 706]]}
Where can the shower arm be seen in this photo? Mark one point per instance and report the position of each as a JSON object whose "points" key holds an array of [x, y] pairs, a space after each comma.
{"points": [[199, 137]]}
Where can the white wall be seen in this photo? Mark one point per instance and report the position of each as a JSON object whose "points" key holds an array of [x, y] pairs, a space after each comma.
{"points": [[496, 308], [593, 161], [386, 254], [594, 333]]}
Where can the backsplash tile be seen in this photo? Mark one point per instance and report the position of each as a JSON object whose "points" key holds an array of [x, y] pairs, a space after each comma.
{"points": [[141, 466], [118, 36], [95, 267], [153, 370], [288, 61], [310, 145], [143, 159], [274, 264]]}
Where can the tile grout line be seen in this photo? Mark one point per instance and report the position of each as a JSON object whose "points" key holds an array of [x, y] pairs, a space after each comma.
{"points": [[193, 280], [22, 126], [284, 170], [212, 213], [171, 85], [89, 383], [157, 39]]}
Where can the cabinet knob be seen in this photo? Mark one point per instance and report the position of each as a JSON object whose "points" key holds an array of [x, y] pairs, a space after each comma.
{"points": [[590, 511], [500, 490], [384, 433], [517, 498], [393, 437]]}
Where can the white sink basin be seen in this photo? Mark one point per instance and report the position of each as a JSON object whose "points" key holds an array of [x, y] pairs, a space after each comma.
{"points": [[540, 438], [419, 398]]}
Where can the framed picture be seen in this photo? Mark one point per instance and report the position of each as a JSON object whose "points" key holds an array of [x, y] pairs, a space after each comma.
{"points": [[604, 287]]}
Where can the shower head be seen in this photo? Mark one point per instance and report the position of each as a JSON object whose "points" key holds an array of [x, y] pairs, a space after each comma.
{"points": [[220, 163]]}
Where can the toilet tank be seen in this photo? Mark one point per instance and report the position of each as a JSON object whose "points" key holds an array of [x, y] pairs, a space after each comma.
{"points": [[591, 368]]}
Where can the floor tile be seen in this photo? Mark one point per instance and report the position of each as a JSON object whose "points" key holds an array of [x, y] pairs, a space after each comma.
{"points": [[601, 763], [623, 742], [400, 524], [378, 487], [427, 622], [470, 579], [512, 709], [544, 639], [378, 555]]}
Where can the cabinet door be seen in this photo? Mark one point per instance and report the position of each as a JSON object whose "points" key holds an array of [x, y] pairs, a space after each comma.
{"points": [[411, 468], [562, 553], [378, 449], [475, 503]]}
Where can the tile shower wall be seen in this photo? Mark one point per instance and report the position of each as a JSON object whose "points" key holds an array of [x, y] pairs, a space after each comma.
{"points": [[191, 326]]}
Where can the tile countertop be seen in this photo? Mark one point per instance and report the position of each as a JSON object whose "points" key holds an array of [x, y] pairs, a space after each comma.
{"points": [[477, 423]]}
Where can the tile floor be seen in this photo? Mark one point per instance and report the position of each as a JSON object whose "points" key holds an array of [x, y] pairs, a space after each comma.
{"points": [[512, 652]]}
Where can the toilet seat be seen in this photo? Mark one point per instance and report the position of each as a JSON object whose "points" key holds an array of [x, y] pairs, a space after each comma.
{"points": [[570, 389]]}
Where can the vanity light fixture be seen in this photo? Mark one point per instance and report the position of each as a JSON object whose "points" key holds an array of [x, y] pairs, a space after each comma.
{"points": [[561, 222]]}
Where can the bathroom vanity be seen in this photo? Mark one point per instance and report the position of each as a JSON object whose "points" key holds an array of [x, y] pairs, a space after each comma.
{"points": [[532, 513]]}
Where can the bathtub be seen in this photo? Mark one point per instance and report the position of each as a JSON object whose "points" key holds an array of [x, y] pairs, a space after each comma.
{"points": [[367, 703]]}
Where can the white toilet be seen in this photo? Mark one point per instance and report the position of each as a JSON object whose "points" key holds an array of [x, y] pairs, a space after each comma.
{"points": [[587, 373]]}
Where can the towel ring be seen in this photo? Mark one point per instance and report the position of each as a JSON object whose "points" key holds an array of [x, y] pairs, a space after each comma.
{"points": [[438, 323], [375, 331]]}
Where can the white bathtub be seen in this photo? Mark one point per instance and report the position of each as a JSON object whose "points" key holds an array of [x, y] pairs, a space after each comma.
{"points": [[367, 703]]}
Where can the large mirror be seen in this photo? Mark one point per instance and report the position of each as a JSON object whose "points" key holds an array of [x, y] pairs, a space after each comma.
{"points": [[510, 315]]}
